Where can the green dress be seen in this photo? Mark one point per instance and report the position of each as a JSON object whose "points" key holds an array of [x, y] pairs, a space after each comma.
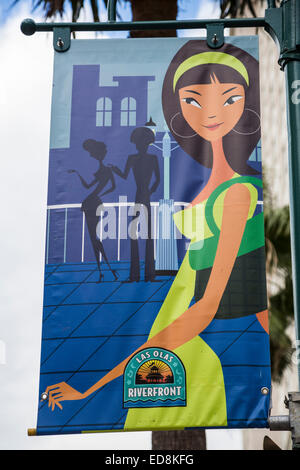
{"points": [[206, 398]]}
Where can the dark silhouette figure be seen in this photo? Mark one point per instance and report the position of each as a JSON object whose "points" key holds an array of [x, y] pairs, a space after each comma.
{"points": [[143, 165], [92, 203]]}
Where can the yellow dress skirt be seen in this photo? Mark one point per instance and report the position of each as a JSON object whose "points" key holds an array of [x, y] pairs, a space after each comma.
{"points": [[205, 389]]}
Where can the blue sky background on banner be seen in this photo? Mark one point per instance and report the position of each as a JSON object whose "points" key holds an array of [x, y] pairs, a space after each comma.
{"points": [[25, 97]]}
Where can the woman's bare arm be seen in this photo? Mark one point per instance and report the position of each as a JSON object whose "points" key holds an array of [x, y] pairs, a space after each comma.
{"points": [[128, 166], [198, 316]]}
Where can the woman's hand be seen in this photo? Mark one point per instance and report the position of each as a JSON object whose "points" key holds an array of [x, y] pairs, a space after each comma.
{"points": [[60, 392]]}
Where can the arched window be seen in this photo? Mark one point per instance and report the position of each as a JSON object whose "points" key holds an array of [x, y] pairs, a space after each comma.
{"points": [[104, 112], [128, 112]]}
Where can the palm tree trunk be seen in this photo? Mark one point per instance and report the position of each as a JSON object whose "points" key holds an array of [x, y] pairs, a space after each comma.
{"points": [[154, 10], [190, 439]]}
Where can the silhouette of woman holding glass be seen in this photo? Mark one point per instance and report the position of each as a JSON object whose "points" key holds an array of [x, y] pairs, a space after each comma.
{"points": [[92, 204]]}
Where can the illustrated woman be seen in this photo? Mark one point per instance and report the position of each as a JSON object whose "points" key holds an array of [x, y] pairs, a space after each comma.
{"points": [[144, 166], [211, 105], [91, 206]]}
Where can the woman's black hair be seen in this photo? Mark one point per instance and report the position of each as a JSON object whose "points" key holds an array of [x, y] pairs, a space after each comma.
{"points": [[237, 147], [98, 149]]}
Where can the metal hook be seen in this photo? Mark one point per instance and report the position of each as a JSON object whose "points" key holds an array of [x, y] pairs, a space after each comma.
{"points": [[215, 35], [61, 38]]}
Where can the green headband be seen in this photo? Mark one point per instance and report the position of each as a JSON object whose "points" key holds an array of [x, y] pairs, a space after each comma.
{"points": [[211, 58]]}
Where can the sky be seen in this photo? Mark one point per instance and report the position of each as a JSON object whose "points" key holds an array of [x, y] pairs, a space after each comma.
{"points": [[25, 97]]}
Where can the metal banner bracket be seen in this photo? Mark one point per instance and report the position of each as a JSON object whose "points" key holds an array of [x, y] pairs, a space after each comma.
{"points": [[215, 35], [294, 411], [61, 39], [290, 422], [282, 25]]}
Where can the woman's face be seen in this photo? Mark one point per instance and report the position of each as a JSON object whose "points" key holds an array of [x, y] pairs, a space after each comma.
{"points": [[214, 109]]}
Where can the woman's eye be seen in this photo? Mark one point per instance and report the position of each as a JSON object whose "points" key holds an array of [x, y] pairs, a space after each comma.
{"points": [[192, 101], [232, 99]]}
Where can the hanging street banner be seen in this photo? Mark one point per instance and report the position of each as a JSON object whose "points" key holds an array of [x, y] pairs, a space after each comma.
{"points": [[155, 307]]}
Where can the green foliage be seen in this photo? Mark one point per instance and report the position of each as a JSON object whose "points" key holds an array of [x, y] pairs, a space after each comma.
{"points": [[281, 317], [281, 311], [57, 7], [234, 8]]}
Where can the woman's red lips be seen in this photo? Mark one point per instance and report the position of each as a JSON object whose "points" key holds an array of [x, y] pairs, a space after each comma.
{"points": [[213, 126]]}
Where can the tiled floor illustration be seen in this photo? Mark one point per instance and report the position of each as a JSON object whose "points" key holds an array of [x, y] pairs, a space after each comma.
{"points": [[88, 328]]}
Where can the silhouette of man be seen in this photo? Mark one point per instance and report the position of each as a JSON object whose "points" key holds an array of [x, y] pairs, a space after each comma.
{"points": [[143, 165]]}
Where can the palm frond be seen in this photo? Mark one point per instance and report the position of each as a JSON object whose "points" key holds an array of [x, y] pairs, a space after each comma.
{"points": [[277, 231], [234, 8], [281, 309], [57, 7]]}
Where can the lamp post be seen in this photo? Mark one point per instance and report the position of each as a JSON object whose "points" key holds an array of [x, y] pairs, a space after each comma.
{"points": [[290, 61], [166, 261], [166, 152]]}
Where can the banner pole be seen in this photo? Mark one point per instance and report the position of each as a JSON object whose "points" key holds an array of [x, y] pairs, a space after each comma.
{"points": [[283, 24], [290, 61], [29, 26]]}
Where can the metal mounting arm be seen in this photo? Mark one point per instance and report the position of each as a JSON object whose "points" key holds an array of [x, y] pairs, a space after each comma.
{"points": [[215, 28]]}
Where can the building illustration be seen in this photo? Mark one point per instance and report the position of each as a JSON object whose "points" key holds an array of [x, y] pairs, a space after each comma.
{"points": [[106, 113]]}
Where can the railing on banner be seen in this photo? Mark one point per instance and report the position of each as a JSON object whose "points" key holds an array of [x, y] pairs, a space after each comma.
{"points": [[118, 206]]}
